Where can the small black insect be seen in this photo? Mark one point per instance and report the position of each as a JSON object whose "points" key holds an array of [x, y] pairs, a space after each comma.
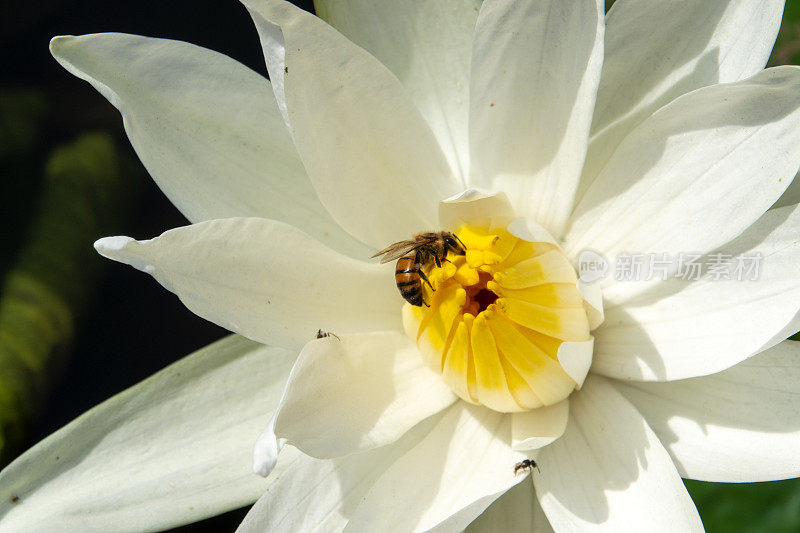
{"points": [[322, 334], [527, 464]]}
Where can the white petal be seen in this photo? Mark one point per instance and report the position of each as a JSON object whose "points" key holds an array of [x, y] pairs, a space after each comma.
{"points": [[656, 51], [516, 511], [529, 230], [319, 495], [171, 450], [264, 279], [465, 460], [373, 160], [476, 207], [535, 71], [697, 172], [592, 296], [358, 393], [741, 425], [792, 194], [609, 472], [681, 329], [576, 359], [531, 430], [207, 129], [267, 448], [427, 45]]}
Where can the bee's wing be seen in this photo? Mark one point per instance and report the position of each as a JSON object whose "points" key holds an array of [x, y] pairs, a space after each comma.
{"points": [[397, 250]]}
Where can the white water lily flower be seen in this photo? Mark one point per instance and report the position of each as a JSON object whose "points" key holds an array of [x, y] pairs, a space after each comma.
{"points": [[535, 130]]}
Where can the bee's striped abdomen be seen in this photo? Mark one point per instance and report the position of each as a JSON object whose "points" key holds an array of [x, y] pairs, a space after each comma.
{"points": [[408, 280]]}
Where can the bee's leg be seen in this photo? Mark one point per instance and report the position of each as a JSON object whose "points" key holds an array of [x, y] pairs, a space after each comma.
{"points": [[426, 304], [438, 263], [418, 268], [424, 278]]}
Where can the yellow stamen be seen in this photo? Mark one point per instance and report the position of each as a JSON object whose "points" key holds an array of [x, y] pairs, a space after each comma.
{"points": [[497, 318]]}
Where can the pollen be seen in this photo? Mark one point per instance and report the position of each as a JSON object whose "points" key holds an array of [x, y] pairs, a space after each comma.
{"points": [[498, 317]]}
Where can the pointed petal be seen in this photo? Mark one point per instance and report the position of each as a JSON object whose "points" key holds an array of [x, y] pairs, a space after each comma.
{"points": [[206, 128], [466, 461], [657, 51], [681, 329], [427, 45], [320, 494], [171, 450], [534, 429], [741, 425], [696, 173], [609, 472], [592, 296], [264, 279], [373, 160], [516, 511], [576, 359], [535, 71], [267, 448], [358, 393]]}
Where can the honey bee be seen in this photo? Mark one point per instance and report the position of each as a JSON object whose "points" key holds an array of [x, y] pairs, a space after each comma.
{"points": [[323, 334], [527, 464], [412, 256]]}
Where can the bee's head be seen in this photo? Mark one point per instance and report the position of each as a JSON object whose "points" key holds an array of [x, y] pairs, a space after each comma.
{"points": [[454, 244]]}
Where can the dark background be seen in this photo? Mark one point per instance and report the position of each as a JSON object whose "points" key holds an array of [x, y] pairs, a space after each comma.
{"points": [[132, 327]]}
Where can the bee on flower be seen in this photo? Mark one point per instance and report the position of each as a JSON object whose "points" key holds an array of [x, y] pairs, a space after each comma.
{"points": [[529, 130]]}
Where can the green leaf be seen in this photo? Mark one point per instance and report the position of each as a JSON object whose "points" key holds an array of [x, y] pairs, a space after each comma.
{"points": [[748, 507], [787, 46]]}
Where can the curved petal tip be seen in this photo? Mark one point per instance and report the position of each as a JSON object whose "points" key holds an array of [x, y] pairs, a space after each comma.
{"points": [[592, 296], [123, 249], [108, 245], [475, 206], [266, 450], [576, 358], [56, 41]]}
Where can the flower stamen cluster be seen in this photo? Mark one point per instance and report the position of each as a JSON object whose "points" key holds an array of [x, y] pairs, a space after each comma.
{"points": [[497, 317]]}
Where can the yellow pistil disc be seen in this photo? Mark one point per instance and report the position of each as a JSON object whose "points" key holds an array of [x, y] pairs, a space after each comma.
{"points": [[497, 318]]}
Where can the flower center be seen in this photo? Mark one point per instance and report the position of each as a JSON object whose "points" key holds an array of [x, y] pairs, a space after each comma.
{"points": [[497, 318]]}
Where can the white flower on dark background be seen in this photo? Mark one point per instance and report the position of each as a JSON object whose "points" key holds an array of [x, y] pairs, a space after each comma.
{"points": [[536, 130]]}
